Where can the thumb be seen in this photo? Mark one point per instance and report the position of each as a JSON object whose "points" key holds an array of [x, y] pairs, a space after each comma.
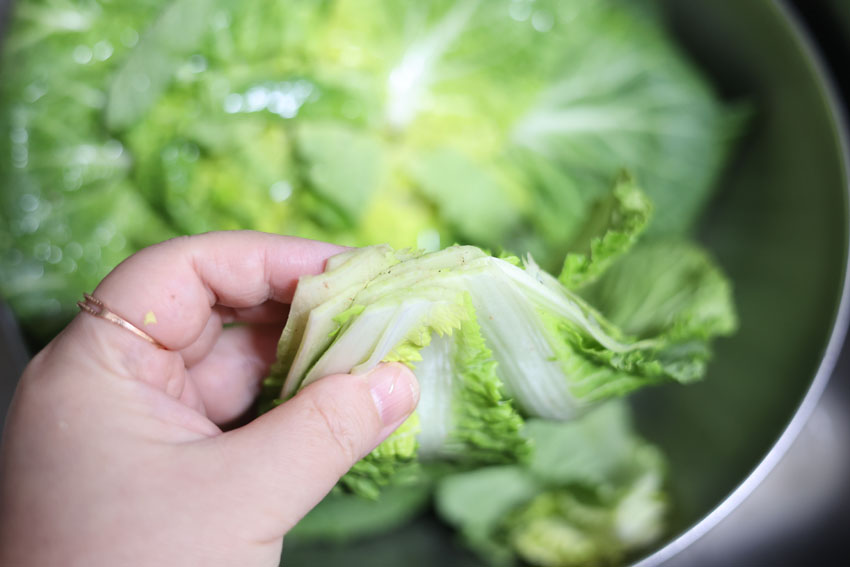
{"points": [[288, 459]]}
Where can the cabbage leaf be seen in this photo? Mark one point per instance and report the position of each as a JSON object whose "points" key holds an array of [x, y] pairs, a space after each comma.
{"points": [[491, 340], [590, 493]]}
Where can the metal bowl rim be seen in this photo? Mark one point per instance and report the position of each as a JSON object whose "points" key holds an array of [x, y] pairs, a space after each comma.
{"points": [[829, 93]]}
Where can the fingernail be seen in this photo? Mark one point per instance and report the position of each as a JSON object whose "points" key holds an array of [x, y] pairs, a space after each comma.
{"points": [[394, 390]]}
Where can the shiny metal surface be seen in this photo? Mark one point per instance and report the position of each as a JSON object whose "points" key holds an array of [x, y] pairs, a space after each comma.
{"points": [[826, 411]]}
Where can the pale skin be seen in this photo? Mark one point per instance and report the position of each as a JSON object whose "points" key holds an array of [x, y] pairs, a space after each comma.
{"points": [[118, 453]]}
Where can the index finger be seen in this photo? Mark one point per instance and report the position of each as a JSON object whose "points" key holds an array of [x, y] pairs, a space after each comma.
{"points": [[168, 290]]}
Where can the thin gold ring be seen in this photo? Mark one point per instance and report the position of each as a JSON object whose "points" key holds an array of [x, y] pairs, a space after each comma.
{"points": [[94, 306]]}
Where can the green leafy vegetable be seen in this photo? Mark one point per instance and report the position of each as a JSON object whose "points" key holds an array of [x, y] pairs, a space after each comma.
{"points": [[489, 341], [611, 229], [590, 494], [343, 166], [497, 123], [342, 517], [669, 286], [149, 69], [470, 199]]}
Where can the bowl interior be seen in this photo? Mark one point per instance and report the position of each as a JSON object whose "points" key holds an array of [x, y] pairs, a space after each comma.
{"points": [[778, 226]]}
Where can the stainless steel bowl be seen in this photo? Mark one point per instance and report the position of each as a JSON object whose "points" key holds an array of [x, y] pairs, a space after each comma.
{"points": [[779, 226], [784, 201]]}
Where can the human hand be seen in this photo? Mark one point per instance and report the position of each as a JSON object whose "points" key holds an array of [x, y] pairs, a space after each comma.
{"points": [[113, 454]]}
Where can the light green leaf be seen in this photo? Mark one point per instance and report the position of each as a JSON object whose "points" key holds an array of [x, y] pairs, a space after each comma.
{"points": [[611, 229], [341, 165], [149, 69], [591, 493], [473, 200], [342, 517], [666, 286]]}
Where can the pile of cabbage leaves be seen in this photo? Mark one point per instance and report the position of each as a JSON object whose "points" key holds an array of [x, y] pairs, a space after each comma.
{"points": [[573, 133]]}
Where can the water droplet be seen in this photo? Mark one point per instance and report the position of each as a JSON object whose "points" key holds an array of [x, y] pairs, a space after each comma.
{"points": [[256, 99], [302, 89], [55, 254], [280, 191], [171, 153], [233, 103], [129, 37], [28, 202], [119, 242], [34, 91], [74, 250], [542, 21], [197, 63], [28, 224], [73, 178], [20, 156], [19, 135], [85, 154], [103, 50], [68, 266], [520, 11], [82, 54], [178, 180], [284, 99], [33, 270], [220, 21], [104, 233], [568, 12], [94, 98], [113, 149], [141, 82], [73, 20], [283, 104], [41, 251]]}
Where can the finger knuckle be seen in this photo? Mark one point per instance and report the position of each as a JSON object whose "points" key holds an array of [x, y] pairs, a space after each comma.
{"points": [[338, 428]]}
